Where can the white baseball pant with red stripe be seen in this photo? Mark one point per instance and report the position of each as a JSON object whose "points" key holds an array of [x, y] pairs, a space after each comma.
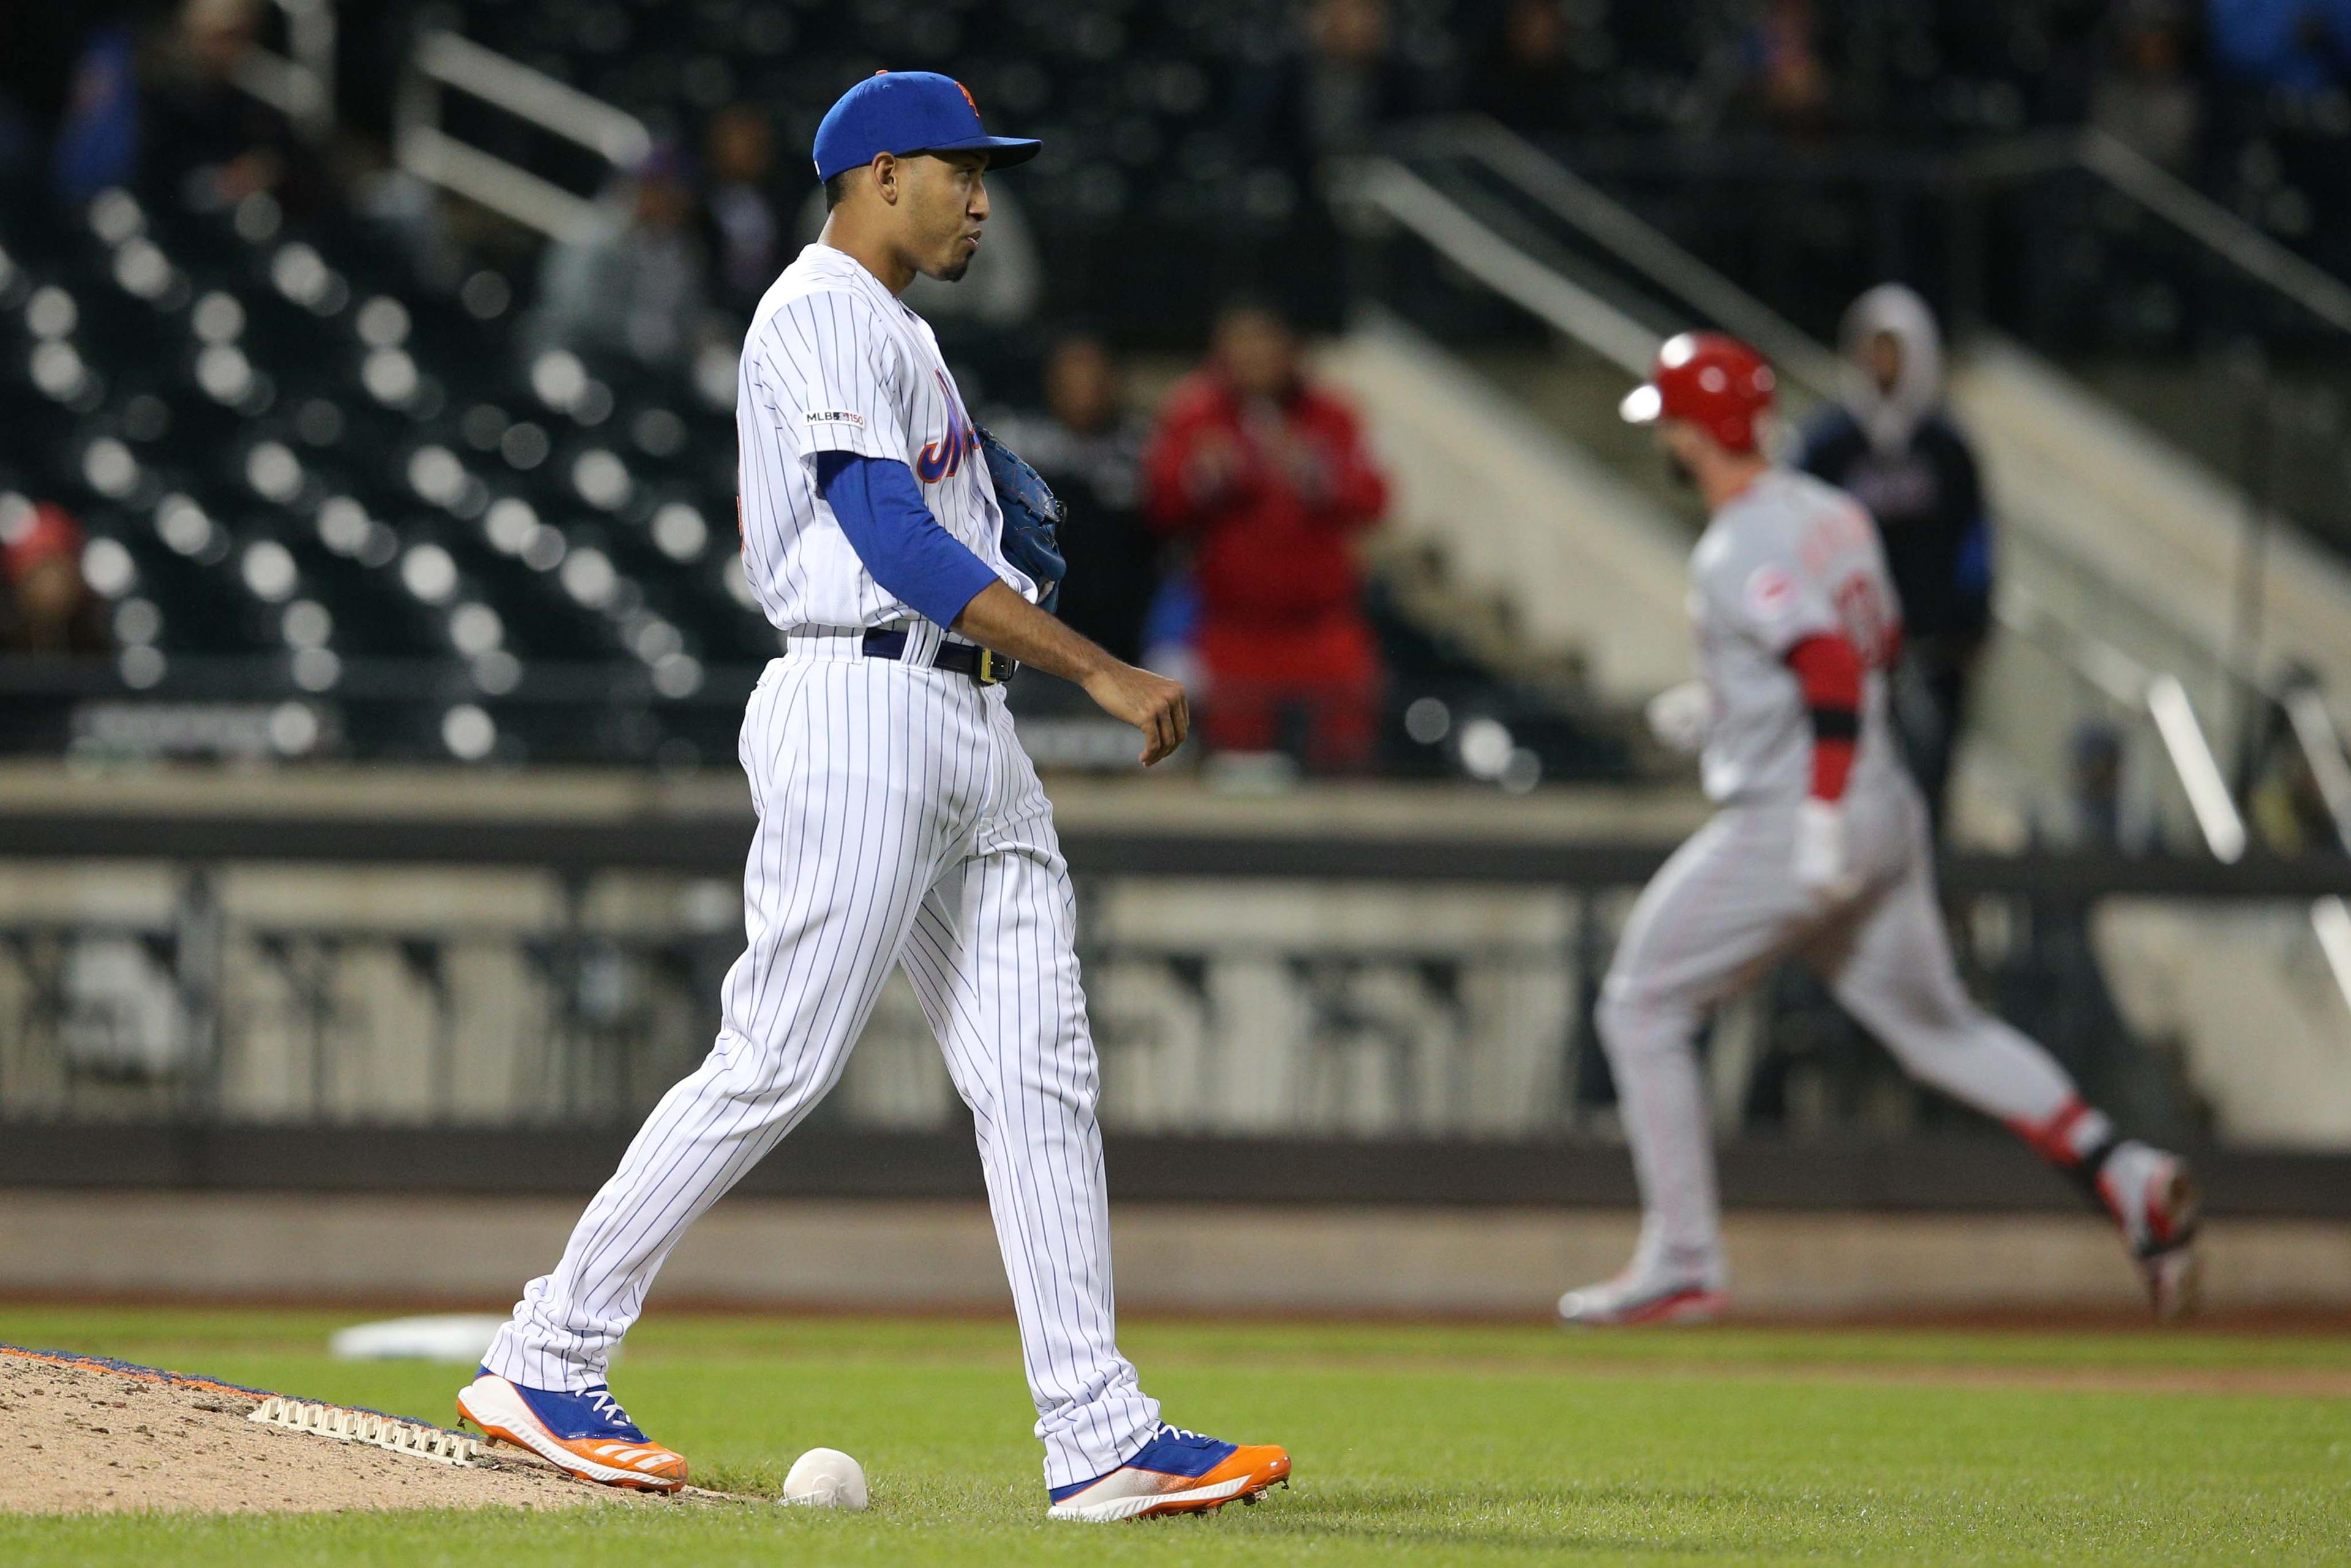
{"points": [[1723, 910]]}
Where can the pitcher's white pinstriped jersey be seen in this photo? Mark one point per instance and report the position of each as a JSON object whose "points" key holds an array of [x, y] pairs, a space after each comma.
{"points": [[835, 363], [900, 827], [1791, 558]]}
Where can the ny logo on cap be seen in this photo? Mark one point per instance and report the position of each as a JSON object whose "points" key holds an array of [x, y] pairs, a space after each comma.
{"points": [[959, 87]]}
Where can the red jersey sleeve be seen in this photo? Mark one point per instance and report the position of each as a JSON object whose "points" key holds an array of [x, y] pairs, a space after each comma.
{"points": [[1829, 669]]}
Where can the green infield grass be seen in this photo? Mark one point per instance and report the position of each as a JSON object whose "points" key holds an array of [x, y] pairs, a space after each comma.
{"points": [[1420, 1445]]}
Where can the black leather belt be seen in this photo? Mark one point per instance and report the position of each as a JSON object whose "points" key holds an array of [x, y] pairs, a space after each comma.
{"points": [[989, 669]]}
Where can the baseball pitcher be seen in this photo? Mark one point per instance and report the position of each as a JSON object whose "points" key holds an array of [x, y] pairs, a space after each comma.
{"points": [[1819, 852], [899, 825]]}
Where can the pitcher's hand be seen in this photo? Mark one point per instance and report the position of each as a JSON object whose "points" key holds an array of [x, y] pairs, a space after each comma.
{"points": [[1153, 703]]}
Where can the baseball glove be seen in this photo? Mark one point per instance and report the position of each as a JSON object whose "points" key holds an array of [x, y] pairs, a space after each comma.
{"points": [[1032, 518]]}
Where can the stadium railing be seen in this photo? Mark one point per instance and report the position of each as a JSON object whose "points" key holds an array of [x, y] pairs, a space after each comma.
{"points": [[275, 1002], [2067, 240], [443, 62]]}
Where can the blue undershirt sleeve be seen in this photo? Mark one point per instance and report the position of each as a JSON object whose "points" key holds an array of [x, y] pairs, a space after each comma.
{"points": [[880, 508]]}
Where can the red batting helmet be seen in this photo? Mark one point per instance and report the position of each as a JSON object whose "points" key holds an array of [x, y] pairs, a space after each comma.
{"points": [[1711, 380]]}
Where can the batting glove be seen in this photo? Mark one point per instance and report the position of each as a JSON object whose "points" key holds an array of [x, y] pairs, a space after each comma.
{"points": [[1820, 863], [1679, 717]]}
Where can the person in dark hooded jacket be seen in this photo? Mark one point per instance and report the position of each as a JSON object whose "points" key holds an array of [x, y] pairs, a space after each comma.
{"points": [[1896, 449]]}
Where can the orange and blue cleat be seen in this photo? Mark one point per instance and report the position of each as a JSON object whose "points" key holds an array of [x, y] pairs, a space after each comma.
{"points": [[585, 1434], [1175, 1473]]}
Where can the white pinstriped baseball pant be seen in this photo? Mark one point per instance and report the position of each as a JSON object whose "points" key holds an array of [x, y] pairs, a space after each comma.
{"points": [[899, 823]]}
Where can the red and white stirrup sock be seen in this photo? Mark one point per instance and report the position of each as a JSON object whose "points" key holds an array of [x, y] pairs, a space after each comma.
{"points": [[2076, 1139]]}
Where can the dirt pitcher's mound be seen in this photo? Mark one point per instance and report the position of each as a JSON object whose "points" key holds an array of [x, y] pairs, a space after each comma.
{"points": [[93, 1435]]}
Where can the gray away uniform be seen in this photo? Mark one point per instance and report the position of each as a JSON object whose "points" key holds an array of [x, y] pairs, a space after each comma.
{"points": [[1791, 558]]}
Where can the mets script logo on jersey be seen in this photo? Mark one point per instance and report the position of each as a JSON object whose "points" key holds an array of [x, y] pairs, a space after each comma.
{"points": [[943, 458]]}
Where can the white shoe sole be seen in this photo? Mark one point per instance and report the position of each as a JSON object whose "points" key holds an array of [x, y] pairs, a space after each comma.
{"points": [[1113, 1510], [1694, 1306], [492, 1404]]}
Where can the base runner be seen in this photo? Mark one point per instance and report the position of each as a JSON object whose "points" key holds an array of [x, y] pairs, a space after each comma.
{"points": [[1819, 852], [899, 825]]}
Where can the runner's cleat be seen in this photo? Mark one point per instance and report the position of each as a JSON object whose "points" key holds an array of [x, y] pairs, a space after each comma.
{"points": [[2175, 1282], [1177, 1472], [2153, 1197], [585, 1434], [1631, 1298]]}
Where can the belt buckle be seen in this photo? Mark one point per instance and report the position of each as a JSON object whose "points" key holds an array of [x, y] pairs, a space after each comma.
{"points": [[992, 670]]}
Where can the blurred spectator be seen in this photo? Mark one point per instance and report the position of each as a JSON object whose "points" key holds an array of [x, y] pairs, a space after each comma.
{"points": [[1324, 97], [1267, 477], [1786, 81], [1089, 446], [635, 287], [49, 609], [1332, 92], [1895, 448], [210, 143], [2301, 46], [1328, 94], [2094, 760], [2074, 45], [97, 140], [2283, 799], [2281, 105], [1541, 73], [2143, 96], [747, 231], [68, 102]]}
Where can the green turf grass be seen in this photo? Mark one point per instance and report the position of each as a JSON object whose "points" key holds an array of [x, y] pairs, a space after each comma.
{"points": [[1413, 1445]]}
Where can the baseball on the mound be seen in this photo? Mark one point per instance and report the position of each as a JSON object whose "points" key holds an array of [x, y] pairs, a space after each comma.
{"points": [[826, 1478]]}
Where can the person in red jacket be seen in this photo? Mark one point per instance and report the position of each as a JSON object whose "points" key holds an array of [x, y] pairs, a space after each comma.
{"points": [[1268, 478]]}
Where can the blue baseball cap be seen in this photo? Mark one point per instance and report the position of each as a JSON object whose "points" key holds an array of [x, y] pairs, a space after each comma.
{"points": [[908, 111]]}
